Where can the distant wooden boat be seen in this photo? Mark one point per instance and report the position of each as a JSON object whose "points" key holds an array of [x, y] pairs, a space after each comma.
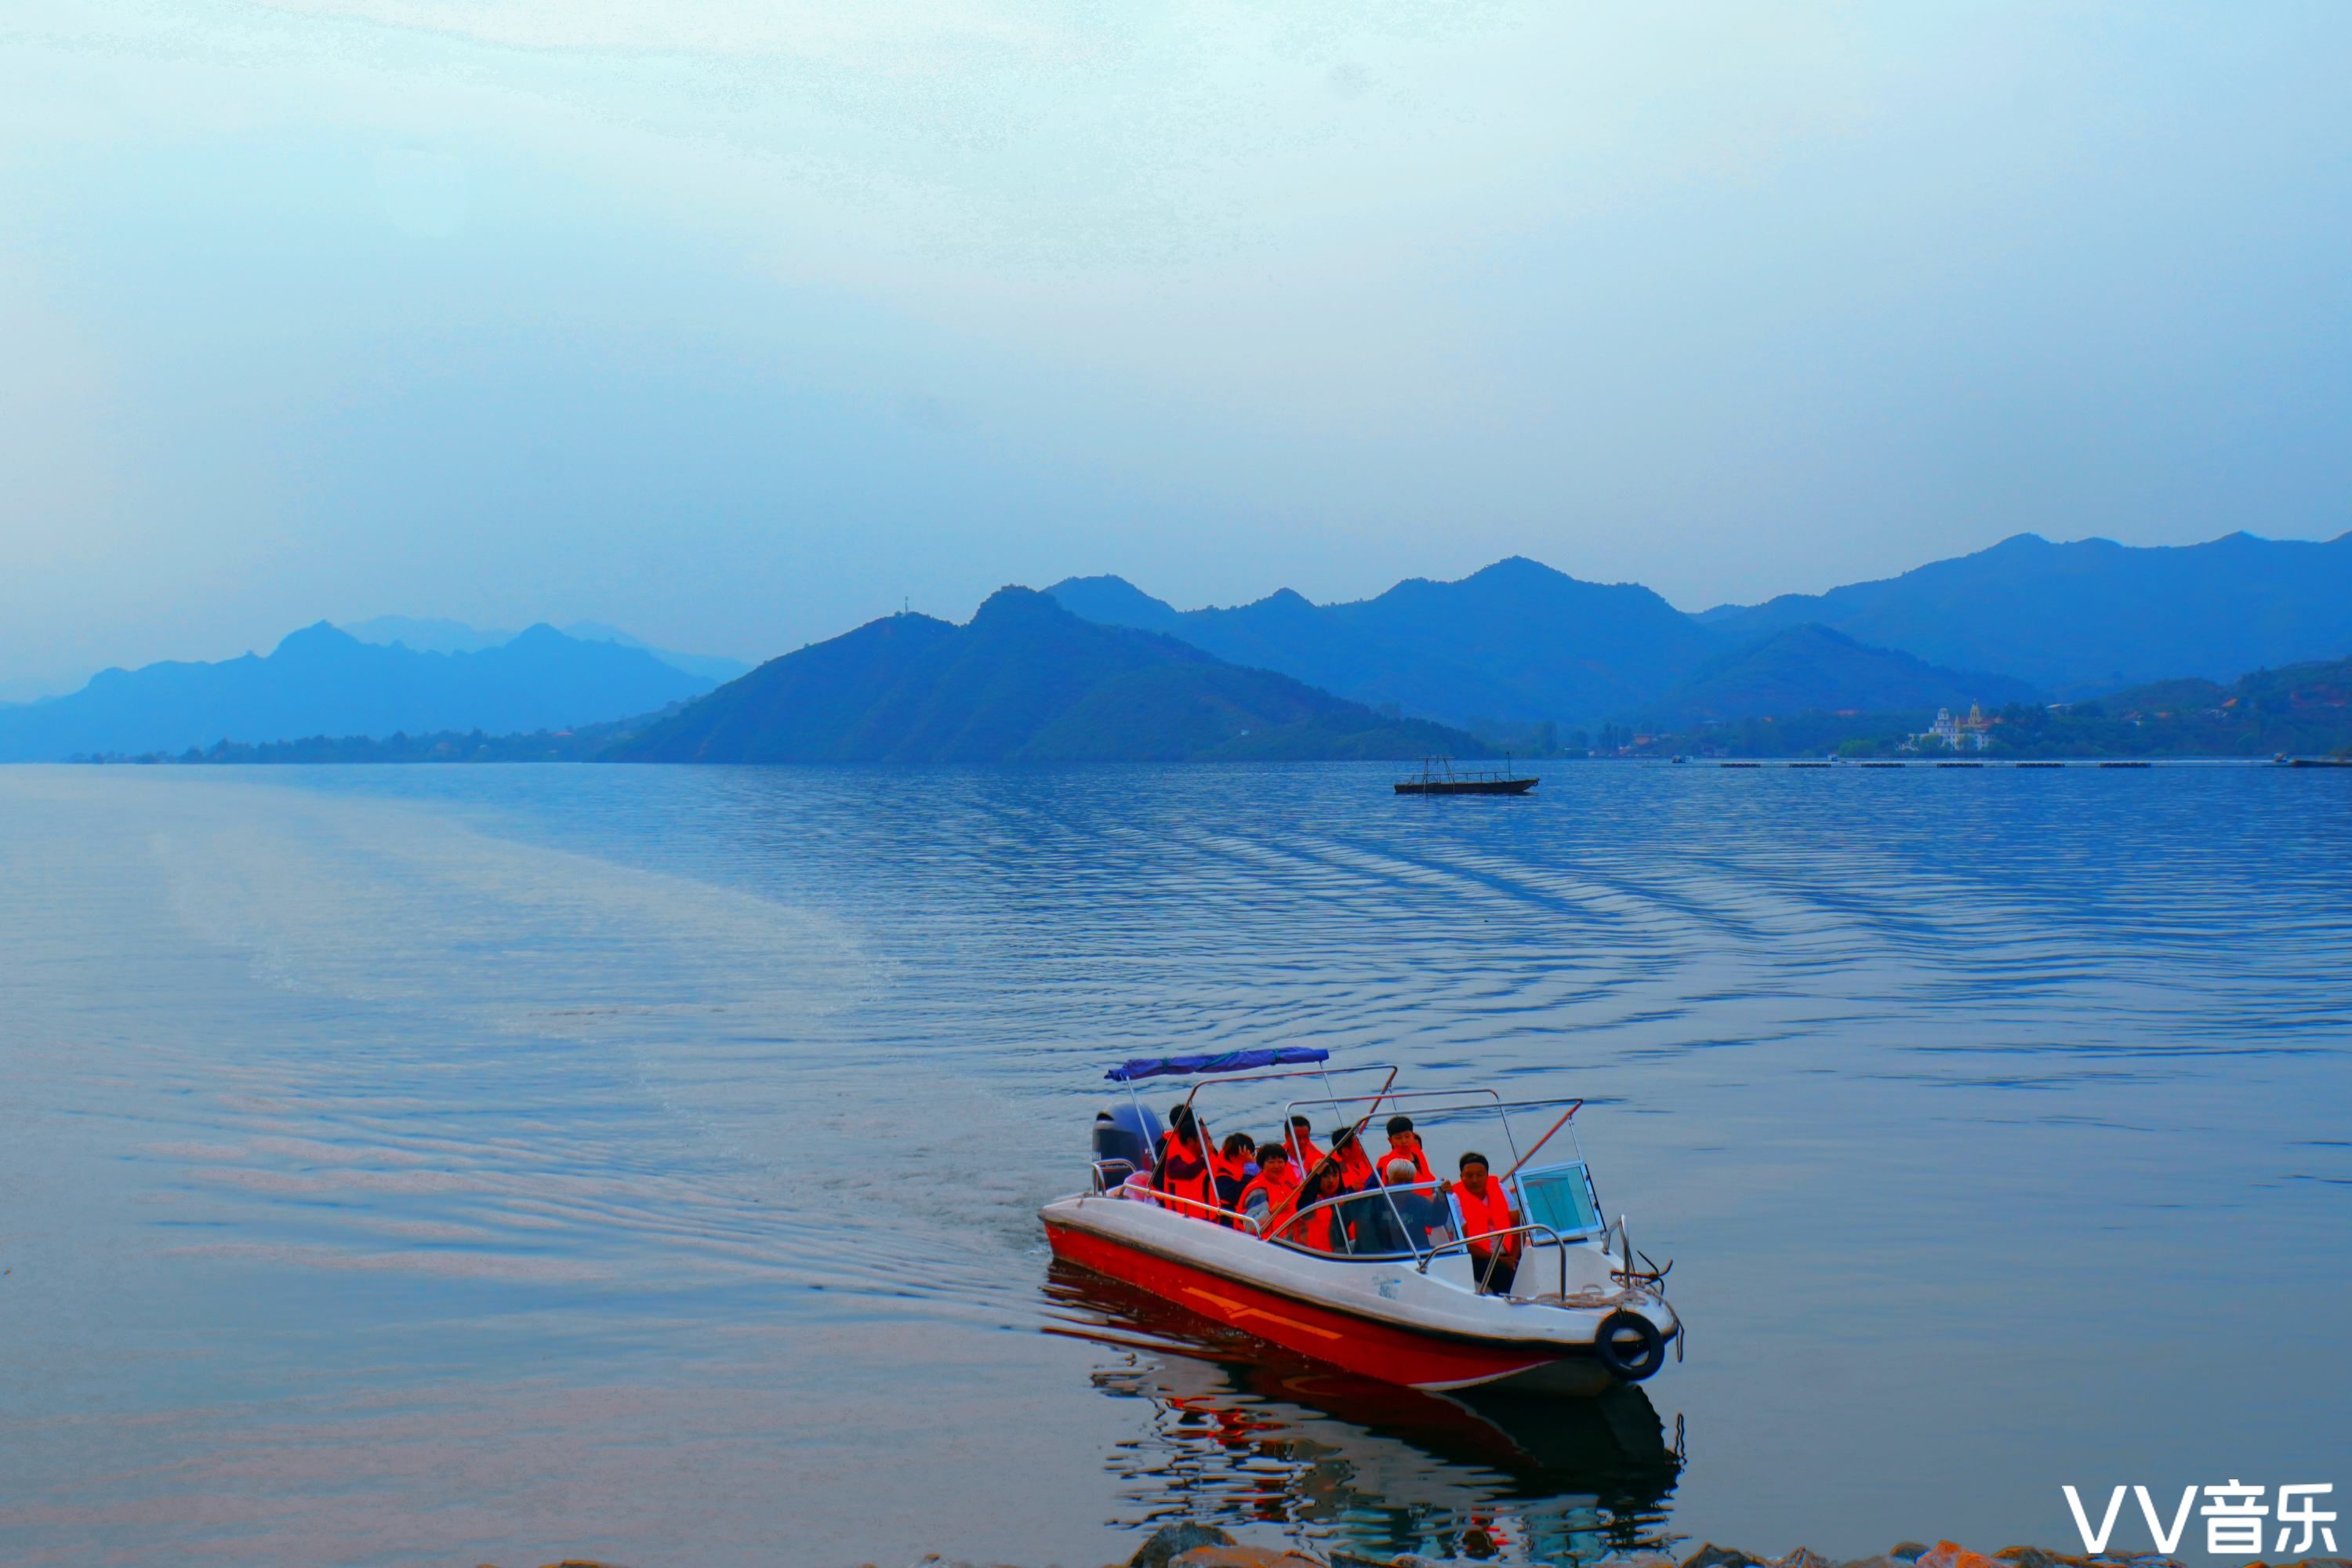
{"points": [[1439, 776]]}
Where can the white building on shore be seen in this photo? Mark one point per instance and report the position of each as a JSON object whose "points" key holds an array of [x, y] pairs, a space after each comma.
{"points": [[1973, 733]]}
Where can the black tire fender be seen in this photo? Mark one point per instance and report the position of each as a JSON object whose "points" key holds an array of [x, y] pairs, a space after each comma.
{"points": [[1629, 1345]]}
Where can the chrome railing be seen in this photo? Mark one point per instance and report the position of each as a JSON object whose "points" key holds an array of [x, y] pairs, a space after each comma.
{"points": [[1299, 1214], [1464, 1244], [1422, 1255], [1197, 1207], [1250, 1225]]}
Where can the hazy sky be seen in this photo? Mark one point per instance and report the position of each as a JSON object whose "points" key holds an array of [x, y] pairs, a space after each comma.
{"points": [[733, 324]]}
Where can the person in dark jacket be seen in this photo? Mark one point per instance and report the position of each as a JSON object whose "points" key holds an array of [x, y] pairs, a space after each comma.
{"points": [[1387, 1222], [1231, 1169], [1418, 1206]]}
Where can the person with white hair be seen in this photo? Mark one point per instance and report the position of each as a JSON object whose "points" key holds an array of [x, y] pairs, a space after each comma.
{"points": [[1418, 1206]]}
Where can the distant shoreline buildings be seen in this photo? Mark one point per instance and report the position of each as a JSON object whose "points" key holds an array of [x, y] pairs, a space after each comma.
{"points": [[1973, 733]]}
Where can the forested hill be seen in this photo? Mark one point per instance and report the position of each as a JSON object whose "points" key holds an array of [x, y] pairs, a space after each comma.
{"points": [[1811, 668], [1024, 680], [2302, 709]]}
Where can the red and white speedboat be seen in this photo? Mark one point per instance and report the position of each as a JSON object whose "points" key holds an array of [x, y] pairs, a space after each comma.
{"points": [[1395, 1298]]}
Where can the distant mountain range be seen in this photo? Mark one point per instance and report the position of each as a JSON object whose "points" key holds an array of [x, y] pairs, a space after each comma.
{"points": [[1518, 643], [1026, 681], [430, 634], [1520, 653], [323, 682], [2094, 616]]}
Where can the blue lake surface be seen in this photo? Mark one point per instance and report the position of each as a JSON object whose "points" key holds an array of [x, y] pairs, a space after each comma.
{"points": [[490, 1164]]}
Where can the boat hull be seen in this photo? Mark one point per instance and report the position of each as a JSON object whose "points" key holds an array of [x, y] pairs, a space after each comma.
{"points": [[1466, 786], [1543, 1355]]}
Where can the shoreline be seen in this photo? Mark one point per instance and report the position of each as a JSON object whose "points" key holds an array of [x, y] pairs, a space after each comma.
{"points": [[1188, 1545]]}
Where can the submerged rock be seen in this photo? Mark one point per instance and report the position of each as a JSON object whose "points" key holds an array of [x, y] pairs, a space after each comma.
{"points": [[1348, 1557], [1171, 1540], [1713, 1556], [1188, 1545], [1952, 1554], [2037, 1557]]}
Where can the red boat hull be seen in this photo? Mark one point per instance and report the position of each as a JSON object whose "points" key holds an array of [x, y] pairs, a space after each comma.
{"points": [[1361, 1345]]}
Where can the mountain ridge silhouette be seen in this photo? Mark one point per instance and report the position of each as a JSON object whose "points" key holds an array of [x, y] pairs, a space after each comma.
{"points": [[319, 679], [1024, 680]]}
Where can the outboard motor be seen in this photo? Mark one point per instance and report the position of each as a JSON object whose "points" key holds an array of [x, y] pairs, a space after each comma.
{"points": [[1128, 1132]]}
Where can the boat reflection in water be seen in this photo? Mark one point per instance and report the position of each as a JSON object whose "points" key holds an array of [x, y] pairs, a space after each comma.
{"points": [[1247, 1432]]}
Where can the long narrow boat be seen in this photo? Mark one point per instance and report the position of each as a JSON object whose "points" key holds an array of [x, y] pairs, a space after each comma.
{"points": [[1466, 786], [1439, 776], [1397, 1295]]}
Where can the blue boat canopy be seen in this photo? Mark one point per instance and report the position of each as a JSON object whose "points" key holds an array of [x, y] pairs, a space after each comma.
{"points": [[1220, 1061]]}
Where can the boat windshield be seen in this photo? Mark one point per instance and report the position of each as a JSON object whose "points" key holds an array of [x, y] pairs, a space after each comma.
{"points": [[1560, 1196], [1554, 1197], [1383, 1222]]}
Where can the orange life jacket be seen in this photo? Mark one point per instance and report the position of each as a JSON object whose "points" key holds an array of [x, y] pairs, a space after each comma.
{"points": [[1280, 1193], [1227, 1177], [1482, 1215], [1185, 1172], [1304, 1154], [1356, 1167], [1421, 1173], [1316, 1229]]}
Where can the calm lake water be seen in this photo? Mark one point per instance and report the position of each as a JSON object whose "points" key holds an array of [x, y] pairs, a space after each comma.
{"points": [[489, 1165]]}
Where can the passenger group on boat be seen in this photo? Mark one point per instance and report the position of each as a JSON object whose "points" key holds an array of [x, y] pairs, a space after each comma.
{"points": [[1505, 1275], [1257, 1187]]}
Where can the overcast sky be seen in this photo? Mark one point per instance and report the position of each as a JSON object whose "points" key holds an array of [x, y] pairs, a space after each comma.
{"points": [[733, 323]]}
